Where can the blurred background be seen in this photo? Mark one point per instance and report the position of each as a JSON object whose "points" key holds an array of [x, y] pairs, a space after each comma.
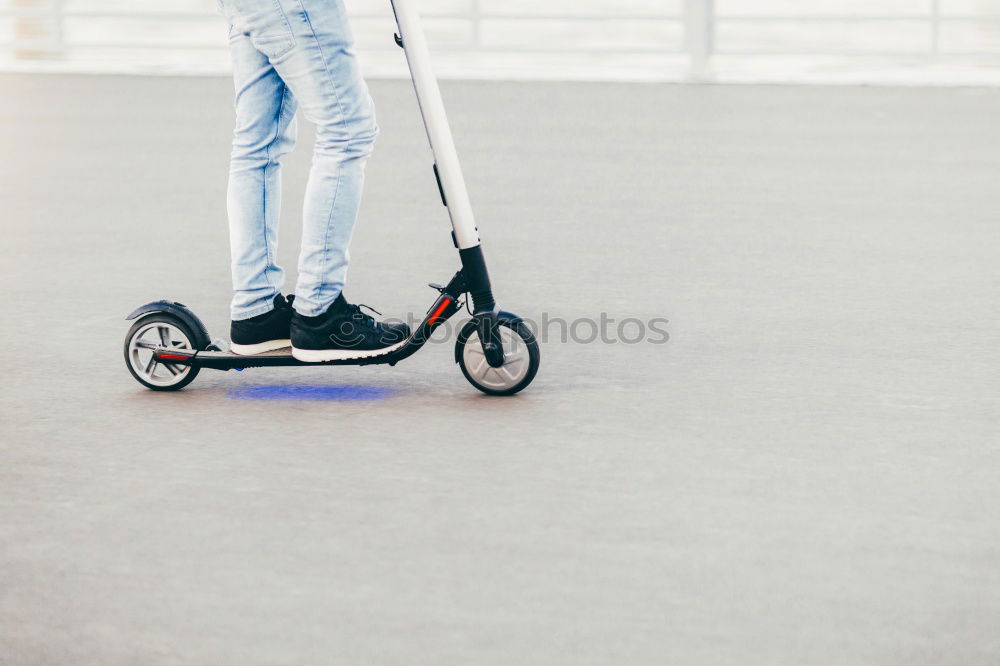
{"points": [[836, 41], [801, 475]]}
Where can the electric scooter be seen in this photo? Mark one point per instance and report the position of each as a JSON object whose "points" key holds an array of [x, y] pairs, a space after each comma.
{"points": [[168, 344]]}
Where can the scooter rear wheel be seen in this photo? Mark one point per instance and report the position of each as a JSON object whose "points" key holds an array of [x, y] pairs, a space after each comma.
{"points": [[159, 329], [521, 358]]}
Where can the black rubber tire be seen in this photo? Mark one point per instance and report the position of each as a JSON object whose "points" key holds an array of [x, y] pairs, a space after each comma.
{"points": [[173, 321], [527, 337]]}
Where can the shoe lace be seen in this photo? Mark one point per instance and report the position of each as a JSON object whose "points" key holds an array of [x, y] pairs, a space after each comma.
{"points": [[359, 315]]}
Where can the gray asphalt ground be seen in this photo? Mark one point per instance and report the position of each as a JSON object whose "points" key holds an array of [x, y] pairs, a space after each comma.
{"points": [[806, 473]]}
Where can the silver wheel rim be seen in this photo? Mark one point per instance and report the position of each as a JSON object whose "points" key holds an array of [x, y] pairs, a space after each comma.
{"points": [[140, 353], [516, 361]]}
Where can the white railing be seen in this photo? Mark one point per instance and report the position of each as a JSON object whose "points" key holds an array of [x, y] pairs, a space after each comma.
{"points": [[687, 37]]}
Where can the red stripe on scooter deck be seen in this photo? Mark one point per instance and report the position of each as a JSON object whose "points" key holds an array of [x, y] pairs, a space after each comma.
{"points": [[173, 357]]}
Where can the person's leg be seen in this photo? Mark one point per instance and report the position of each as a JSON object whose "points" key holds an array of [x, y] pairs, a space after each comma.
{"points": [[309, 45], [322, 71], [264, 131]]}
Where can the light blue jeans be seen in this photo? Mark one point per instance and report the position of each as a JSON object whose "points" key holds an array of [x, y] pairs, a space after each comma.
{"points": [[287, 55]]}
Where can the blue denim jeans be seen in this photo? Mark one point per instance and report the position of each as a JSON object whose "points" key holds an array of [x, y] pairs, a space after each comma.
{"points": [[289, 55]]}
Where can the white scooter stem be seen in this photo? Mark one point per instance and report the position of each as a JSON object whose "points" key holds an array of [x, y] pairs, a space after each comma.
{"points": [[436, 123]]}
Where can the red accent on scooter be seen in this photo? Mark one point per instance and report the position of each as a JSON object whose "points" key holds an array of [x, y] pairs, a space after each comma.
{"points": [[172, 357], [437, 313]]}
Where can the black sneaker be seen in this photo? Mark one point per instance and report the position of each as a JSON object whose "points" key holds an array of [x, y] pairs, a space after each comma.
{"points": [[344, 332], [265, 332]]}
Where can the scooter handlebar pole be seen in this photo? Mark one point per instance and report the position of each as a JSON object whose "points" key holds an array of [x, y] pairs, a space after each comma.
{"points": [[436, 123]]}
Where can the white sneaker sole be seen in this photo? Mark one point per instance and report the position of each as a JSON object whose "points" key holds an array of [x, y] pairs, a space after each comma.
{"points": [[260, 348], [321, 355]]}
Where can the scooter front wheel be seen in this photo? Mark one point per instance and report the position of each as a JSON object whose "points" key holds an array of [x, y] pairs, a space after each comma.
{"points": [[521, 357], [159, 329]]}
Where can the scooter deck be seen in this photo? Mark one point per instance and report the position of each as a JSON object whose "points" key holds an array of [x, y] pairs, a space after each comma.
{"points": [[444, 307], [279, 357]]}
